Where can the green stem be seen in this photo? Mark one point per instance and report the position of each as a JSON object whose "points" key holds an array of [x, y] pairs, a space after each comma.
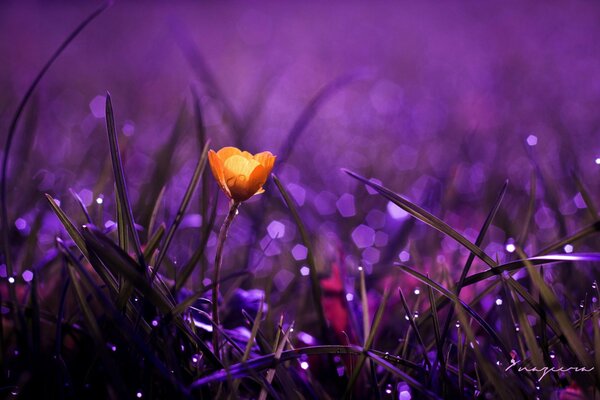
{"points": [[217, 271]]}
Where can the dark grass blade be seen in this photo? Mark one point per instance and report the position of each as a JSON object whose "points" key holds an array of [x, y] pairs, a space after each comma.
{"points": [[120, 183], [82, 206], [368, 344], [434, 285], [534, 261], [425, 217], [182, 208], [155, 210], [154, 241], [482, 232], [314, 278], [582, 233], [120, 263], [68, 225], [92, 324], [556, 310], [411, 320], [503, 391], [120, 323], [415, 384], [265, 362]]}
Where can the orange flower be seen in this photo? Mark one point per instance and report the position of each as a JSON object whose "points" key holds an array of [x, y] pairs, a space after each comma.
{"points": [[240, 174]]}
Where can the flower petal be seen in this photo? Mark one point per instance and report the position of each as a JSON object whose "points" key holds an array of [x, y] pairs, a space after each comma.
{"points": [[216, 166], [227, 152], [266, 159]]}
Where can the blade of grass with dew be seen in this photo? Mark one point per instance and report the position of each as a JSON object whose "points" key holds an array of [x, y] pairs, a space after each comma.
{"points": [[368, 344], [120, 183], [566, 326], [478, 241], [534, 350], [122, 324], [115, 259], [434, 285], [120, 263], [424, 216], [314, 278], [267, 361], [185, 201], [415, 384], [414, 326], [504, 391], [582, 233], [95, 331], [534, 261], [68, 225]]}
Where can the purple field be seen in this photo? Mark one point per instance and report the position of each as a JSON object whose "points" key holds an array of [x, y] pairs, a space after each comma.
{"points": [[432, 217]]}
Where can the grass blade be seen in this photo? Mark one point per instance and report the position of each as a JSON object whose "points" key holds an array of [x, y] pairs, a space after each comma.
{"points": [[120, 183], [314, 278], [429, 282], [425, 217], [182, 208], [533, 261]]}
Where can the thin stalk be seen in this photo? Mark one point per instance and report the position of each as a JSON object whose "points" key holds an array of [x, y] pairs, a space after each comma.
{"points": [[233, 209]]}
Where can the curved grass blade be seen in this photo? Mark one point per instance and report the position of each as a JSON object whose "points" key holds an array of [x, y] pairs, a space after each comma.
{"points": [[122, 324], [588, 230], [486, 224], [429, 282], [120, 263], [425, 217], [534, 261], [566, 326], [262, 363], [182, 208], [120, 183], [403, 375], [314, 278]]}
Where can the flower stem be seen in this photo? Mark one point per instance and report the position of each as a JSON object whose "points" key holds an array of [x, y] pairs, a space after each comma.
{"points": [[217, 271]]}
